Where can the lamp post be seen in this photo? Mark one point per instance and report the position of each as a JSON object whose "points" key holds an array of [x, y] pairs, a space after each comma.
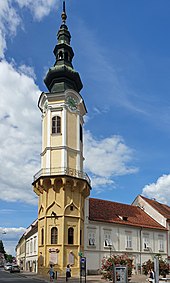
{"points": [[110, 248]]}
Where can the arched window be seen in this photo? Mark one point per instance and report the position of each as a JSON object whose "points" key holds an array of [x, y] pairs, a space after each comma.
{"points": [[80, 237], [70, 236], [56, 125], [66, 56], [54, 235], [60, 55], [42, 236], [81, 133]]}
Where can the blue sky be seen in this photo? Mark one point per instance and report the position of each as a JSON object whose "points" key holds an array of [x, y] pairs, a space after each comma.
{"points": [[122, 53]]}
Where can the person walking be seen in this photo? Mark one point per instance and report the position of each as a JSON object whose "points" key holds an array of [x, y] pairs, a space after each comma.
{"points": [[151, 276], [68, 272], [51, 273]]}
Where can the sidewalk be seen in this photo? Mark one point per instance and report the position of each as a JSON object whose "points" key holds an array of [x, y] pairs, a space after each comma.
{"points": [[89, 279]]}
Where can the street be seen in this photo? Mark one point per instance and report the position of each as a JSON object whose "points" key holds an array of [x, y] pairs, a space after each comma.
{"points": [[6, 276], [24, 277]]}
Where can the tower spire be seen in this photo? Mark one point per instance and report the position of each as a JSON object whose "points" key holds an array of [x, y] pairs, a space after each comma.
{"points": [[62, 75], [64, 15]]}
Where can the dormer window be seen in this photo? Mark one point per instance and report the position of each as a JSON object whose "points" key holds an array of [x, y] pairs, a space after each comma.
{"points": [[56, 125], [125, 218]]}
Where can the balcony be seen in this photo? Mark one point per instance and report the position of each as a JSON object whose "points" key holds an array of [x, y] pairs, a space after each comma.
{"points": [[62, 171]]}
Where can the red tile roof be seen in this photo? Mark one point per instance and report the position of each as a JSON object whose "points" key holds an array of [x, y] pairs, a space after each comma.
{"points": [[160, 207], [119, 213]]}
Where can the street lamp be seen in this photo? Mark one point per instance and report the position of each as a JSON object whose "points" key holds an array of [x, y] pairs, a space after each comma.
{"points": [[110, 247]]}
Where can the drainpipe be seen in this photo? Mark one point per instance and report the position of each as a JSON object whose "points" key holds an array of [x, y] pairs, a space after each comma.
{"points": [[141, 250]]}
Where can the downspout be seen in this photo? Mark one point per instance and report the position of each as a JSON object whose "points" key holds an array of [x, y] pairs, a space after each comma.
{"points": [[141, 250]]}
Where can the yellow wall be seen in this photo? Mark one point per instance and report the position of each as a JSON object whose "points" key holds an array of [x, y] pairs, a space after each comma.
{"points": [[63, 195]]}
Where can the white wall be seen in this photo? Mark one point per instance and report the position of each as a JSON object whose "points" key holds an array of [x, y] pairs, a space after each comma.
{"points": [[117, 235]]}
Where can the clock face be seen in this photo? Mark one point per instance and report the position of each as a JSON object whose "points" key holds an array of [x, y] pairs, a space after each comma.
{"points": [[71, 103]]}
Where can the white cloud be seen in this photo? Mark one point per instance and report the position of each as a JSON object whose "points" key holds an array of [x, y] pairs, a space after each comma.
{"points": [[38, 8], [9, 21], [27, 70], [20, 135], [106, 158], [159, 190], [10, 238], [10, 17]]}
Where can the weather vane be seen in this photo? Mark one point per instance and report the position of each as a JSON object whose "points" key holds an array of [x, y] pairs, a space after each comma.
{"points": [[63, 15]]}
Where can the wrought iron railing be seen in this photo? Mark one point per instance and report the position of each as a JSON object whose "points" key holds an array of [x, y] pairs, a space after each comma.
{"points": [[62, 171]]}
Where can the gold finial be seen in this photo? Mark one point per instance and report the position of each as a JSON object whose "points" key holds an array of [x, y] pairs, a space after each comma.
{"points": [[63, 15]]}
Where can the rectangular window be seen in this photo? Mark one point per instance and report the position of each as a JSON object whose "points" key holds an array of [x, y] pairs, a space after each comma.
{"points": [[35, 244], [128, 241], [91, 239], [31, 246], [27, 247], [161, 243], [146, 242], [107, 240]]}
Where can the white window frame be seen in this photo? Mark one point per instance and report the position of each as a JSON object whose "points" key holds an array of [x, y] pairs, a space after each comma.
{"points": [[91, 239], [146, 242], [107, 240], [128, 240], [161, 243], [35, 244]]}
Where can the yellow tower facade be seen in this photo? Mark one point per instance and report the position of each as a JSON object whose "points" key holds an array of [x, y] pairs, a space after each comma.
{"points": [[61, 184]]}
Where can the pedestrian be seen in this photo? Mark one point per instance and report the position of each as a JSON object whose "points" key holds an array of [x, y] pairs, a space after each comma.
{"points": [[68, 272], [151, 276], [51, 273]]}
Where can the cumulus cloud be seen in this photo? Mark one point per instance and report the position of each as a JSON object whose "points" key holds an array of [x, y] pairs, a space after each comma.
{"points": [[10, 237], [9, 21], [39, 8], [20, 135], [159, 190], [107, 158], [10, 17]]}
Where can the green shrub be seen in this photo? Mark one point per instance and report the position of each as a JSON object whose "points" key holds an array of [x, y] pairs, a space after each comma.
{"points": [[117, 260], [163, 267]]}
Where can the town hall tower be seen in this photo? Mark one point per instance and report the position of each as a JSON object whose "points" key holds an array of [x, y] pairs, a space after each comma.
{"points": [[61, 184]]}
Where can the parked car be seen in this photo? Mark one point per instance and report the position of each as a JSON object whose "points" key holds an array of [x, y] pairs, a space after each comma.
{"points": [[14, 268], [7, 266]]}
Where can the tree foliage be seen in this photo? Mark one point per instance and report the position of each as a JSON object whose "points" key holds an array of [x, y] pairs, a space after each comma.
{"points": [[9, 258], [163, 267], [117, 260], [2, 250]]}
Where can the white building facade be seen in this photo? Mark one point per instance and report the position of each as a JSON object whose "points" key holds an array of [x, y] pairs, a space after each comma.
{"points": [[123, 230], [31, 244], [160, 213], [27, 249]]}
